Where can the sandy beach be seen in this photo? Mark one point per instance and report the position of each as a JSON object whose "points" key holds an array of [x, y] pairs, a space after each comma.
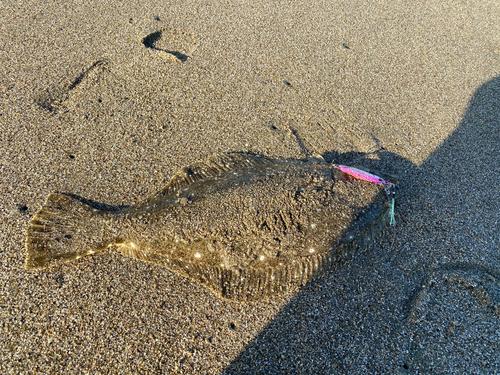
{"points": [[107, 100]]}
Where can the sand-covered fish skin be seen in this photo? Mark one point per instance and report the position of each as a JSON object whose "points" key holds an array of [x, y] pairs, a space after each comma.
{"points": [[244, 225]]}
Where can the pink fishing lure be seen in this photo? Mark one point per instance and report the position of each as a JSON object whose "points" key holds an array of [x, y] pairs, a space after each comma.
{"points": [[362, 175], [366, 176]]}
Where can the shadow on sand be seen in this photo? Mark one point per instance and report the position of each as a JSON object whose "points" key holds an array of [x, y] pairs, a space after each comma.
{"points": [[354, 320]]}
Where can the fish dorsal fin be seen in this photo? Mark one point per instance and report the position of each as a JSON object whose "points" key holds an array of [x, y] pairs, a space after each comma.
{"points": [[211, 168]]}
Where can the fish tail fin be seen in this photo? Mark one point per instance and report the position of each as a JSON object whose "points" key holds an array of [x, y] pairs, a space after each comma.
{"points": [[63, 230]]}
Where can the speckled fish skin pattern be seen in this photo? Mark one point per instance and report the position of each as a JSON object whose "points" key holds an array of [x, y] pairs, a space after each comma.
{"points": [[244, 225]]}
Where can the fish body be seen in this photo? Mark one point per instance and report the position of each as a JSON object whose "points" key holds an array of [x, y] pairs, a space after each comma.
{"points": [[244, 225]]}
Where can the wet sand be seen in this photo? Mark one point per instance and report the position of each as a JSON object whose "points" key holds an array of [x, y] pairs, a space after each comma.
{"points": [[108, 101]]}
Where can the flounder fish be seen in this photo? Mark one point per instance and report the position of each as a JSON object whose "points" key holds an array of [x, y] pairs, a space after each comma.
{"points": [[244, 225]]}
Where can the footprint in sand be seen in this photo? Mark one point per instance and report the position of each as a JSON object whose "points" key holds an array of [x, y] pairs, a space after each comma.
{"points": [[174, 44], [52, 98], [453, 321], [170, 43], [483, 284]]}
